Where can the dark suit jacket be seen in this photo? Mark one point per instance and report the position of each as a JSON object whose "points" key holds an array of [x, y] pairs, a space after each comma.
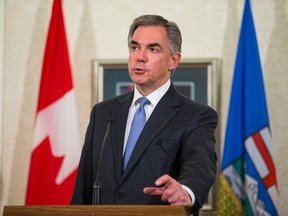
{"points": [[178, 139]]}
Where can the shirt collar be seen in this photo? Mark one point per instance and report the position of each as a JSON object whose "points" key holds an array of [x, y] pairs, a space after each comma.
{"points": [[155, 96]]}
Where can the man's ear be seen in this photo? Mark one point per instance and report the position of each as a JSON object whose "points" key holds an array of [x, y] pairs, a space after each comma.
{"points": [[174, 61]]}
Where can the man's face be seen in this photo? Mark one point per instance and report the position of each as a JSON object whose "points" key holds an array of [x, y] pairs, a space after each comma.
{"points": [[150, 63]]}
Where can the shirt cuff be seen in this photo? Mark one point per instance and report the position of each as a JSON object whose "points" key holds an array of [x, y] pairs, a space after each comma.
{"points": [[191, 194]]}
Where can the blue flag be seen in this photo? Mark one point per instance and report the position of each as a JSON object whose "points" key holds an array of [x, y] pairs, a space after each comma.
{"points": [[248, 183]]}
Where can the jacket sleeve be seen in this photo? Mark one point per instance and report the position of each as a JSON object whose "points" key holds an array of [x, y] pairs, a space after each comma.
{"points": [[82, 194], [198, 157]]}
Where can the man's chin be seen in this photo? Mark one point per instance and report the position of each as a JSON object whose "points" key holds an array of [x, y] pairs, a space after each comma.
{"points": [[139, 80]]}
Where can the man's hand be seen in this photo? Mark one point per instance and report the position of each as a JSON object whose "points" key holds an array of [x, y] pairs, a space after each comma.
{"points": [[170, 191]]}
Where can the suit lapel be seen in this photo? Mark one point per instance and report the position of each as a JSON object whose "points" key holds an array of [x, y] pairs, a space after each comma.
{"points": [[120, 113], [162, 114]]}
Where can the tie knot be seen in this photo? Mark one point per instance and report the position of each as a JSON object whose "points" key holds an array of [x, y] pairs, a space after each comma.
{"points": [[143, 101]]}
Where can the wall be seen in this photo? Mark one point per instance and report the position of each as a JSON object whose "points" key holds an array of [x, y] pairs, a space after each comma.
{"points": [[98, 29], [1, 85]]}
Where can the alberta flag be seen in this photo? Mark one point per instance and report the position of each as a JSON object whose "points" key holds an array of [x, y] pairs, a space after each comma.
{"points": [[248, 184]]}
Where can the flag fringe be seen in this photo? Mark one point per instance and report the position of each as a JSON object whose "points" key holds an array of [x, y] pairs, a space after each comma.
{"points": [[228, 203]]}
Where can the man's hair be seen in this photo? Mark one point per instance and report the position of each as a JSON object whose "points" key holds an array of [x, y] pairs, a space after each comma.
{"points": [[173, 32]]}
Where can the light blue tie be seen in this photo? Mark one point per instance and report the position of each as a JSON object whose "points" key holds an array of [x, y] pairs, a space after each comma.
{"points": [[137, 126]]}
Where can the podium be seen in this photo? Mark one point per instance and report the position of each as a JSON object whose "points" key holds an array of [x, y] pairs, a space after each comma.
{"points": [[95, 210]]}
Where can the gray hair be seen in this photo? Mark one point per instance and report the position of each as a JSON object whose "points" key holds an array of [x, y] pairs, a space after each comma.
{"points": [[173, 31]]}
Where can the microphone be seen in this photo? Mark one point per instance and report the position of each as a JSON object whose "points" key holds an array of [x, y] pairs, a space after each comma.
{"points": [[97, 187]]}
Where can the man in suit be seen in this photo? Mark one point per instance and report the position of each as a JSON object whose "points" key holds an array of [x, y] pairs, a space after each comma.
{"points": [[173, 161]]}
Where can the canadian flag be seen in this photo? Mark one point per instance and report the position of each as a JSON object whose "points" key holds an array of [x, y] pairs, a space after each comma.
{"points": [[56, 148]]}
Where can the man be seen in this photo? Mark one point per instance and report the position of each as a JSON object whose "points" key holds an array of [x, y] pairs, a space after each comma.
{"points": [[173, 161]]}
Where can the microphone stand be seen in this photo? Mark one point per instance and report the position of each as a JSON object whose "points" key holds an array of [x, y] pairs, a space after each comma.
{"points": [[97, 187]]}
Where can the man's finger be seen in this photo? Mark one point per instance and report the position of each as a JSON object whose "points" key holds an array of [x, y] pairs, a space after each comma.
{"points": [[163, 180], [154, 190]]}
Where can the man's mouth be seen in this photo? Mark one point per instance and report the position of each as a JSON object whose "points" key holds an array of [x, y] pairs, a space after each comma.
{"points": [[139, 70]]}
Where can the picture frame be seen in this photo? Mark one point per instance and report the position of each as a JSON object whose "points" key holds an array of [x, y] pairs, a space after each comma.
{"points": [[110, 78], [197, 79]]}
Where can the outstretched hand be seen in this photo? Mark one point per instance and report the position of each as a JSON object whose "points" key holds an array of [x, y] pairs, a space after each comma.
{"points": [[170, 191]]}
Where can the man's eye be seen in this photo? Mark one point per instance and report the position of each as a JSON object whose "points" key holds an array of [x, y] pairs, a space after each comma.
{"points": [[133, 48], [154, 50]]}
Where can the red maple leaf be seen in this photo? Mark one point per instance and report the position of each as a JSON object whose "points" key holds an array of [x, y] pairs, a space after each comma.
{"points": [[42, 188]]}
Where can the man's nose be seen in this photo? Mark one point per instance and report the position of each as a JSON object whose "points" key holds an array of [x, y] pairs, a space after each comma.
{"points": [[142, 55]]}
